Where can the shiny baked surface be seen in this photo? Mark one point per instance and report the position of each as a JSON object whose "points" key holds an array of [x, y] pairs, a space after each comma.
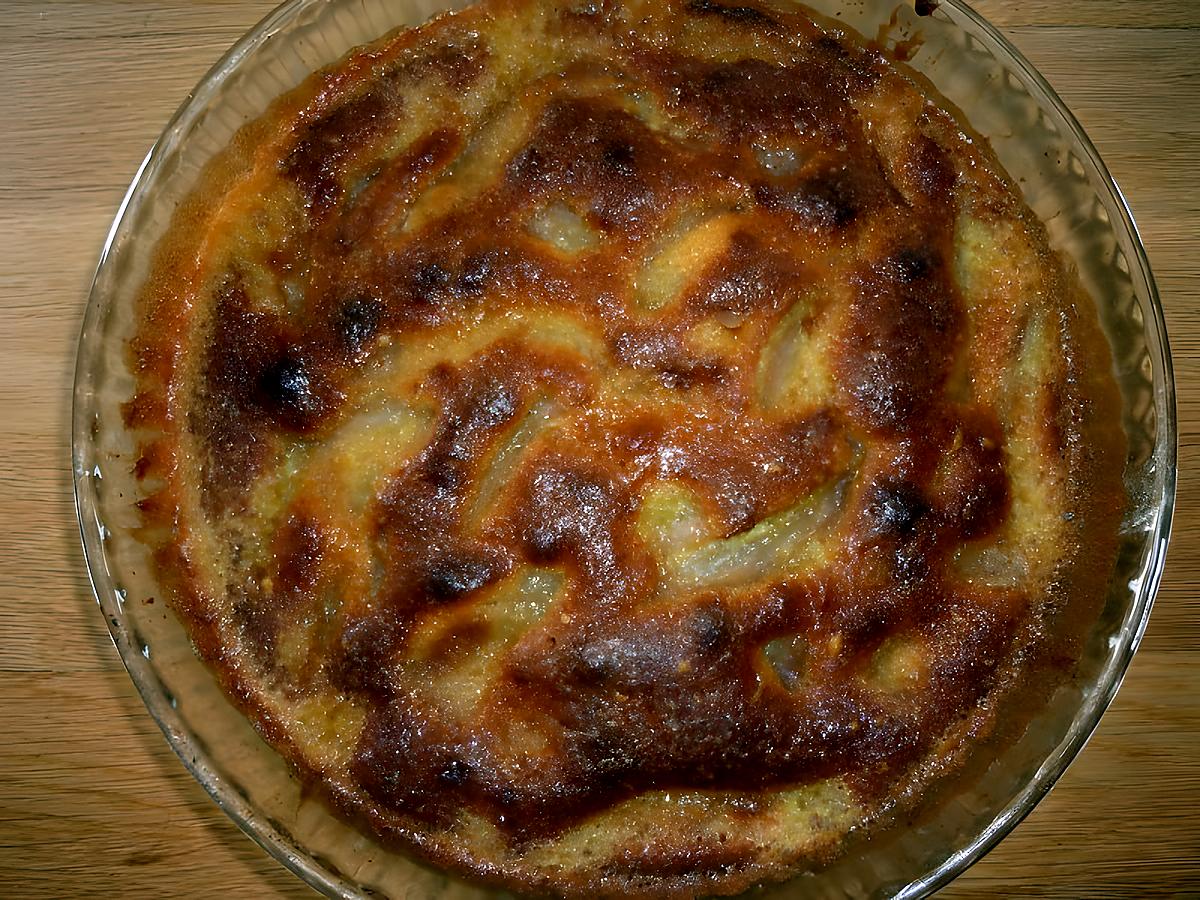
{"points": [[622, 447]]}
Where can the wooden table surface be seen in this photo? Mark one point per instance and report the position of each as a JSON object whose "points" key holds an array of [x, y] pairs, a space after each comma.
{"points": [[92, 801]]}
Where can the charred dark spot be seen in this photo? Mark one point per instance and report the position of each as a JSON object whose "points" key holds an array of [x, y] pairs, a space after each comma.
{"points": [[910, 564], [912, 264], [741, 14], [455, 773], [496, 404], [527, 166], [830, 198], [429, 282], [596, 664], [451, 575], [357, 322], [895, 508], [508, 796], [619, 156], [543, 544], [429, 279], [364, 652], [478, 271], [442, 476], [712, 631], [287, 390], [228, 420]]}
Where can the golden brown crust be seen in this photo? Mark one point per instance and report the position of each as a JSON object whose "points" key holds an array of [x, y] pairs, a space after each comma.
{"points": [[623, 447]]}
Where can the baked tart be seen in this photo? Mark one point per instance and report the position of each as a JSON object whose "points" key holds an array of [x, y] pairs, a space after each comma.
{"points": [[629, 448]]}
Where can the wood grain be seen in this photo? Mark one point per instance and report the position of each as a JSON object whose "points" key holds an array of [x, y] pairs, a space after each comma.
{"points": [[93, 802]]}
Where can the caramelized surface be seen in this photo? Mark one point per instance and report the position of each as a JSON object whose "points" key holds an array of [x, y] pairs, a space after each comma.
{"points": [[623, 446]]}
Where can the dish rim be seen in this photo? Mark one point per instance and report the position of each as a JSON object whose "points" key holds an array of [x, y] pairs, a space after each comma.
{"points": [[303, 864]]}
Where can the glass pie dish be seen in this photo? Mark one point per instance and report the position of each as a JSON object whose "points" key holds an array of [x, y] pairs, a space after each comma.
{"points": [[1062, 179]]}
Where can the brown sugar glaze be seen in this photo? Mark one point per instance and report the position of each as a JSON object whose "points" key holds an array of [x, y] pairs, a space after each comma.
{"points": [[561, 406]]}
